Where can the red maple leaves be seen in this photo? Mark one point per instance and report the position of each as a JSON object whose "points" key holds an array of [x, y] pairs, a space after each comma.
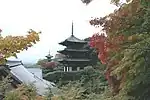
{"points": [[99, 42], [104, 45], [49, 65]]}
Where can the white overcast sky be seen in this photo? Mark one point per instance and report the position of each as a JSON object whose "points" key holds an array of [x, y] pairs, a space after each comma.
{"points": [[53, 18]]}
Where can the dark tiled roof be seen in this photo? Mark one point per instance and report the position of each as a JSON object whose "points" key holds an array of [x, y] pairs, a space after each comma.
{"points": [[74, 60], [73, 50], [72, 38], [50, 56], [4, 70]]}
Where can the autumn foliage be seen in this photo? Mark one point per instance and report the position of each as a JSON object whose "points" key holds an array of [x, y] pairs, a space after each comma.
{"points": [[49, 65], [105, 45], [125, 48], [10, 45]]}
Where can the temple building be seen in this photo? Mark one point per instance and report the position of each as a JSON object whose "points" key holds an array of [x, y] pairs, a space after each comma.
{"points": [[76, 56], [49, 57], [18, 73]]}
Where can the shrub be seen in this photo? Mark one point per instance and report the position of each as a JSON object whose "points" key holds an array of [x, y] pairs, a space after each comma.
{"points": [[91, 86], [23, 92], [93, 81]]}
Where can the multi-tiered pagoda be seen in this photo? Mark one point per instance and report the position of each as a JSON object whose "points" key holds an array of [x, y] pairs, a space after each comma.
{"points": [[49, 57], [76, 56]]}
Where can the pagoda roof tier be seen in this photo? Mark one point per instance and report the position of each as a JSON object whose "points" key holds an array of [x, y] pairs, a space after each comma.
{"points": [[73, 60], [49, 56], [72, 39], [75, 63], [73, 50]]}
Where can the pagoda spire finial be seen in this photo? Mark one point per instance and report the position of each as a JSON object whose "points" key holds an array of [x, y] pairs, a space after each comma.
{"points": [[49, 56], [49, 52], [72, 29]]}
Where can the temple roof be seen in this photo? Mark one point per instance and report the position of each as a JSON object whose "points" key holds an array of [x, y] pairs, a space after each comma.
{"points": [[21, 74], [74, 60], [5, 70], [59, 56], [49, 55], [72, 38], [74, 45], [73, 50]]}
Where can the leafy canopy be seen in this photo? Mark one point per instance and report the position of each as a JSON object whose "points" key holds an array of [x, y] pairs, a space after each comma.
{"points": [[10, 45], [127, 58]]}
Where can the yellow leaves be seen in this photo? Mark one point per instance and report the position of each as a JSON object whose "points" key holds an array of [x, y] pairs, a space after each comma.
{"points": [[136, 38], [132, 38], [132, 63], [23, 92], [56, 98], [10, 45], [129, 58], [70, 92], [14, 54]]}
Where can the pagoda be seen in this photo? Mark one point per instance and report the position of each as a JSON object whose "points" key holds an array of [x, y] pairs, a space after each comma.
{"points": [[49, 57], [76, 56]]}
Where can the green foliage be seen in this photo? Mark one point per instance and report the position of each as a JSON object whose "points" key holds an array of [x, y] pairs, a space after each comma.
{"points": [[92, 53], [64, 76], [23, 92], [116, 2], [12, 96], [41, 61], [132, 70], [136, 63], [93, 81], [49, 94], [73, 91], [89, 87], [4, 85]]}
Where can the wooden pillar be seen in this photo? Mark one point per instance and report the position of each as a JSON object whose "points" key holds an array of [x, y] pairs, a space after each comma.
{"points": [[78, 68], [70, 68], [64, 69], [67, 69]]}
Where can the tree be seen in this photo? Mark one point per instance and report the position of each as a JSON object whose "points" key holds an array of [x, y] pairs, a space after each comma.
{"points": [[50, 65], [126, 49], [92, 53], [41, 61], [116, 2], [10, 45]]}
